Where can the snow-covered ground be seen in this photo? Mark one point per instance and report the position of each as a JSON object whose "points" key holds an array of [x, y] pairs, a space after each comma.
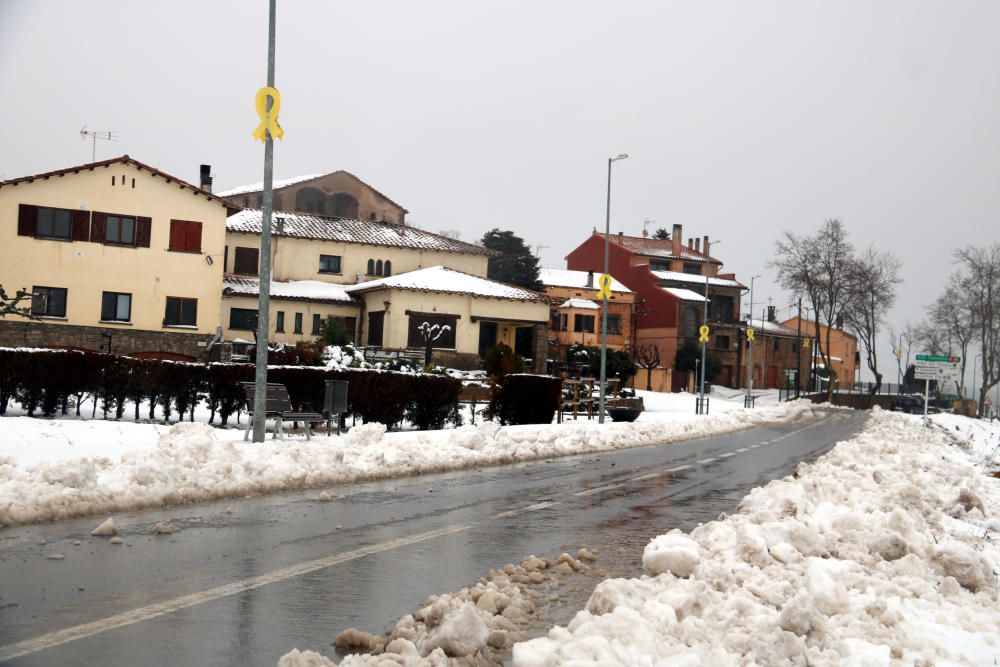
{"points": [[56, 468]]}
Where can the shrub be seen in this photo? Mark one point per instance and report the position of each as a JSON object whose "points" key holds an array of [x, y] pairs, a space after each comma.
{"points": [[501, 360], [435, 401], [224, 392], [526, 399]]}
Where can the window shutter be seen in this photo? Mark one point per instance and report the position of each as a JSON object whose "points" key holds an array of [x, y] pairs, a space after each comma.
{"points": [[27, 214], [98, 227], [81, 225], [193, 237], [143, 231], [177, 235]]}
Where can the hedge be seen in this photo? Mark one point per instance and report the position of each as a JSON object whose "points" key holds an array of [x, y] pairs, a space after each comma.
{"points": [[44, 381], [526, 399]]}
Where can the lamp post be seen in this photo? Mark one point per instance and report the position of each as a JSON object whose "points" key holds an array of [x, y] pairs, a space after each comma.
{"points": [[604, 311], [702, 407], [748, 400], [974, 364]]}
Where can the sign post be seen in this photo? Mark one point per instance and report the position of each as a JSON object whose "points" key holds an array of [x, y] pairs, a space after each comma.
{"points": [[939, 367]]}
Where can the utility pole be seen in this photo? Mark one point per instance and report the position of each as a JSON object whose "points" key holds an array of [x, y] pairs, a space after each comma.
{"points": [[798, 352], [748, 402], [702, 406], [263, 303]]}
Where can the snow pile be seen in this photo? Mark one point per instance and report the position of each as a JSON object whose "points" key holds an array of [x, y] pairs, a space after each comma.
{"points": [[883, 550], [335, 356], [193, 462], [476, 625]]}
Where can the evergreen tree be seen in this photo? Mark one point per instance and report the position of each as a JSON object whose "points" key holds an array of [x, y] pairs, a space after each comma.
{"points": [[516, 265], [661, 234]]}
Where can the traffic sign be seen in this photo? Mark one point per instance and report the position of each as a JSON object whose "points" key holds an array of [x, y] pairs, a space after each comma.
{"points": [[941, 373], [938, 358]]}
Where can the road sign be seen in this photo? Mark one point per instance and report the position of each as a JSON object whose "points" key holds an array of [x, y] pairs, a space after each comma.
{"points": [[939, 372], [937, 358]]}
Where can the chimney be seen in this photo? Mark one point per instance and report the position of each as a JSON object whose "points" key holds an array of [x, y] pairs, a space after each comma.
{"points": [[675, 239], [690, 243], [590, 278], [206, 177], [621, 237], [770, 313], [697, 245], [705, 248]]}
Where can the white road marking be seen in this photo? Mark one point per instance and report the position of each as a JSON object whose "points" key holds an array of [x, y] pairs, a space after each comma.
{"points": [[525, 510], [707, 460], [678, 468], [590, 492], [727, 455], [646, 476], [28, 646], [742, 449]]}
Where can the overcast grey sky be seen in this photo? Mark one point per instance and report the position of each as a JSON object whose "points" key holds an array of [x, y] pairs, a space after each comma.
{"points": [[741, 119]]}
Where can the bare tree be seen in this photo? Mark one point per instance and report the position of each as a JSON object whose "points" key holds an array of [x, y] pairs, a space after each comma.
{"points": [[10, 304], [816, 267], [979, 278], [648, 356], [908, 337], [871, 292], [951, 314]]}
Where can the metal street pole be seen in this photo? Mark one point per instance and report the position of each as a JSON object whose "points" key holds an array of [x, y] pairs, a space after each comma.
{"points": [[798, 352], [263, 303], [750, 353], [604, 310], [974, 364], [704, 344]]}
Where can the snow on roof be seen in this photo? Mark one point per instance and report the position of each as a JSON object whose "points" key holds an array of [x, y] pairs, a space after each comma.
{"points": [[443, 279], [257, 187], [677, 276], [301, 290], [579, 303], [772, 328], [242, 341], [578, 279], [685, 294], [650, 247], [347, 230]]}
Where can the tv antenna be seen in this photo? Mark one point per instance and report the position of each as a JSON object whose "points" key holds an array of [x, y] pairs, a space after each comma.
{"points": [[94, 136]]}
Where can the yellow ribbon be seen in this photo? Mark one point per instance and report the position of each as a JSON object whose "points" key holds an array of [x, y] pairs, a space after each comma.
{"points": [[605, 283], [807, 343], [268, 119], [750, 335], [703, 331]]}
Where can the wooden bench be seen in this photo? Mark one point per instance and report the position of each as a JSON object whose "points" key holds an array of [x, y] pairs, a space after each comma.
{"points": [[279, 408]]}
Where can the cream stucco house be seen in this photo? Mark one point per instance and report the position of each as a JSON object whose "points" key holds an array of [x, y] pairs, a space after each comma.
{"points": [[120, 257]]}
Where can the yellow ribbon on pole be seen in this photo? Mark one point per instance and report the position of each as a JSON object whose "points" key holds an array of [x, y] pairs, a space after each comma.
{"points": [[807, 343], [605, 283], [750, 335], [268, 119], [703, 332]]}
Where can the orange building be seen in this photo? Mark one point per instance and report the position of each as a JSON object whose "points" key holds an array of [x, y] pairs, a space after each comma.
{"points": [[843, 348], [575, 313]]}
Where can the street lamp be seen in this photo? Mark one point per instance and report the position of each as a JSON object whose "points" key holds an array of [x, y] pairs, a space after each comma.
{"points": [[604, 292], [974, 364], [749, 399]]}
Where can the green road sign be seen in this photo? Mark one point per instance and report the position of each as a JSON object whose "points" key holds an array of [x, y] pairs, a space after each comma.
{"points": [[938, 357]]}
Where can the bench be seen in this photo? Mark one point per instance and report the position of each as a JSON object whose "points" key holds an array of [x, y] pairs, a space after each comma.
{"points": [[279, 408]]}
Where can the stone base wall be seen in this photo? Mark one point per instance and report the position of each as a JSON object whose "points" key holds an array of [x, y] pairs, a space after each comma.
{"points": [[122, 341]]}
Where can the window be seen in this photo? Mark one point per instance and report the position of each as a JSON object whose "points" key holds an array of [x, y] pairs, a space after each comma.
{"points": [[378, 268], [317, 323], [245, 261], [387, 270], [583, 323], [722, 307], [185, 236], [243, 318], [777, 347], [329, 263], [279, 322], [120, 229], [54, 223], [298, 323], [446, 340], [181, 312], [564, 322], [371, 267], [694, 269], [48, 301], [659, 266], [690, 323], [722, 342], [554, 318], [615, 324], [116, 307], [344, 205]]}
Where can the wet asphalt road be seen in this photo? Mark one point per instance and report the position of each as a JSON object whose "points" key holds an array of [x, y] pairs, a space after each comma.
{"points": [[283, 571]]}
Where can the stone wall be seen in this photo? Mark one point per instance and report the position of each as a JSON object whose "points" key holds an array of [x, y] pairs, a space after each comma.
{"points": [[163, 344]]}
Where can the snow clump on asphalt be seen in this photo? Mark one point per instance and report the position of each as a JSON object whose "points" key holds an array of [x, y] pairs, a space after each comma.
{"points": [[882, 551]]}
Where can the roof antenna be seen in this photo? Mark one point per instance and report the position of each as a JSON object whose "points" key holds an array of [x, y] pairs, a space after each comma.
{"points": [[94, 136]]}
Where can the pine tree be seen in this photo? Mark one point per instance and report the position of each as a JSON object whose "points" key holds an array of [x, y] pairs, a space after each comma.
{"points": [[516, 265]]}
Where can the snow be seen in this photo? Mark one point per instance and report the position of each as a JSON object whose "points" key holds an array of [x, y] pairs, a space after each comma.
{"points": [[879, 553], [677, 276], [443, 279], [310, 290], [57, 468], [577, 279], [685, 294], [257, 187], [579, 303]]}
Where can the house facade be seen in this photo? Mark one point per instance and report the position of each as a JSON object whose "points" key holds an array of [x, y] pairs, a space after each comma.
{"points": [[120, 257], [575, 313], [670, 280], [780, 352], [843, 348]]}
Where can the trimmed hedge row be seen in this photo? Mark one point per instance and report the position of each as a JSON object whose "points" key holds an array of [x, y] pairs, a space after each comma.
{"points": [[56, 381]]}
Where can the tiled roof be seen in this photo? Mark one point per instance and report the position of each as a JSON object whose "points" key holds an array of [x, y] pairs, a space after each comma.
{"points": [[91, 166], [772, 328], [284, 183], [298, 290], [650, 247], [579, 303], [442, 279], [685, 294], [577, 279], [347, 230], [678, 277]]}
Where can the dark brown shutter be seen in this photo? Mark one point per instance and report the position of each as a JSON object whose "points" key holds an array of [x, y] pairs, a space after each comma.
{"points": [[193, 237], [98, 227], [81, 225], [177, 235], [27, 214], [143, 232], [350, 326]]}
